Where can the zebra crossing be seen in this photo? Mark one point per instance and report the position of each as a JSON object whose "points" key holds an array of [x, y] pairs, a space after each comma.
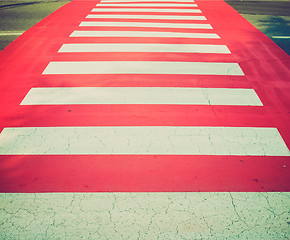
{"points": [[162, 31], [144, 132]]}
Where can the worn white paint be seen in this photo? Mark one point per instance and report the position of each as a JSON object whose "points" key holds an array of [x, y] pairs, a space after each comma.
{"points": [[141, 95], [143, 34], [142, 215], [125, 1], [171, 10], [163, 215], [247, 141], [166, 17], [281, 37], [145, 5], [143, 67], [130, 47], [10, 33], [146, 24]]}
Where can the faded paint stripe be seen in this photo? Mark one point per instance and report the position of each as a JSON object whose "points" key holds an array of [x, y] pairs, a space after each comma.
{"points": [[176, 48], [166, 17], [10, 33], [171, 10], [121, 1], [142, 95], [143, 34], [145, 5], [147, 24], [143, 140], [143, 67], [281, 37]]}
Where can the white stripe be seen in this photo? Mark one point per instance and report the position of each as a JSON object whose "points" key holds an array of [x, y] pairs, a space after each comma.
{"points": [[163, 215], [121, 1], [142, 24], [142, 95], [10, 33], [177, 48], [177, 10], [143, 67], [281, 37], [143, 34], [145, 5], [143, 140], [166, 17]]}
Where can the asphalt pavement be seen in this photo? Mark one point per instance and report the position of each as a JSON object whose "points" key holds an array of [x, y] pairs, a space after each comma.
{"points": [[270, 17]]}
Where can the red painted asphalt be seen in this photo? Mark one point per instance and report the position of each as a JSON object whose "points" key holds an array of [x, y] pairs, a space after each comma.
{"points": [[266, 69]]}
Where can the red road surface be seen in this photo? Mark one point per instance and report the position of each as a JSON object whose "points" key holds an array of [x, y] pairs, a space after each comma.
{"points": [[266, 69]]}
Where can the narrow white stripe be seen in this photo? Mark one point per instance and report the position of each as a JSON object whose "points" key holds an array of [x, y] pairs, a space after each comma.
{"points": [[143, 140], [177, 48], [142, 24], [145, 5], [143, 67], [142, 34], [166, 17], [142, 95], [121, 1], [177, 10], [281, 37], [10, 33]]}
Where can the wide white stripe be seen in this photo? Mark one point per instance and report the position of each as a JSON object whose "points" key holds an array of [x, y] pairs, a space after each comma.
{"points": [[150, 215], [143, 67], [145, 5], [147, 24], [166, 17], [143, 140], [143, 34], [141, 95], [176, 10], [177, 48]]}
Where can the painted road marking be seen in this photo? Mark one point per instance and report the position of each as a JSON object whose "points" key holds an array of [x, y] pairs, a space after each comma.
{"points": [[171, 10], [145, 5], [105, 1], [281, 37], [142, 95], [10, 33], [143, 67], [157, 140], [177, 48], [143, 34], [76, 214], [166, 17], [147, 24]]}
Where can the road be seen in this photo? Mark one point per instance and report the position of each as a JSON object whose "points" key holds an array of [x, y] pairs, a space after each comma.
{"points": [[167, 98]]}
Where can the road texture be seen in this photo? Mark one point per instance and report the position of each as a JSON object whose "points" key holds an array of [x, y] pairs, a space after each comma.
{"points": [[270, 17], [17, 16], [165, 120]]}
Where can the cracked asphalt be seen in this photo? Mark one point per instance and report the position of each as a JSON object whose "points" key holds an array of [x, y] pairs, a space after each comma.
{"points": [[215, 215]]}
